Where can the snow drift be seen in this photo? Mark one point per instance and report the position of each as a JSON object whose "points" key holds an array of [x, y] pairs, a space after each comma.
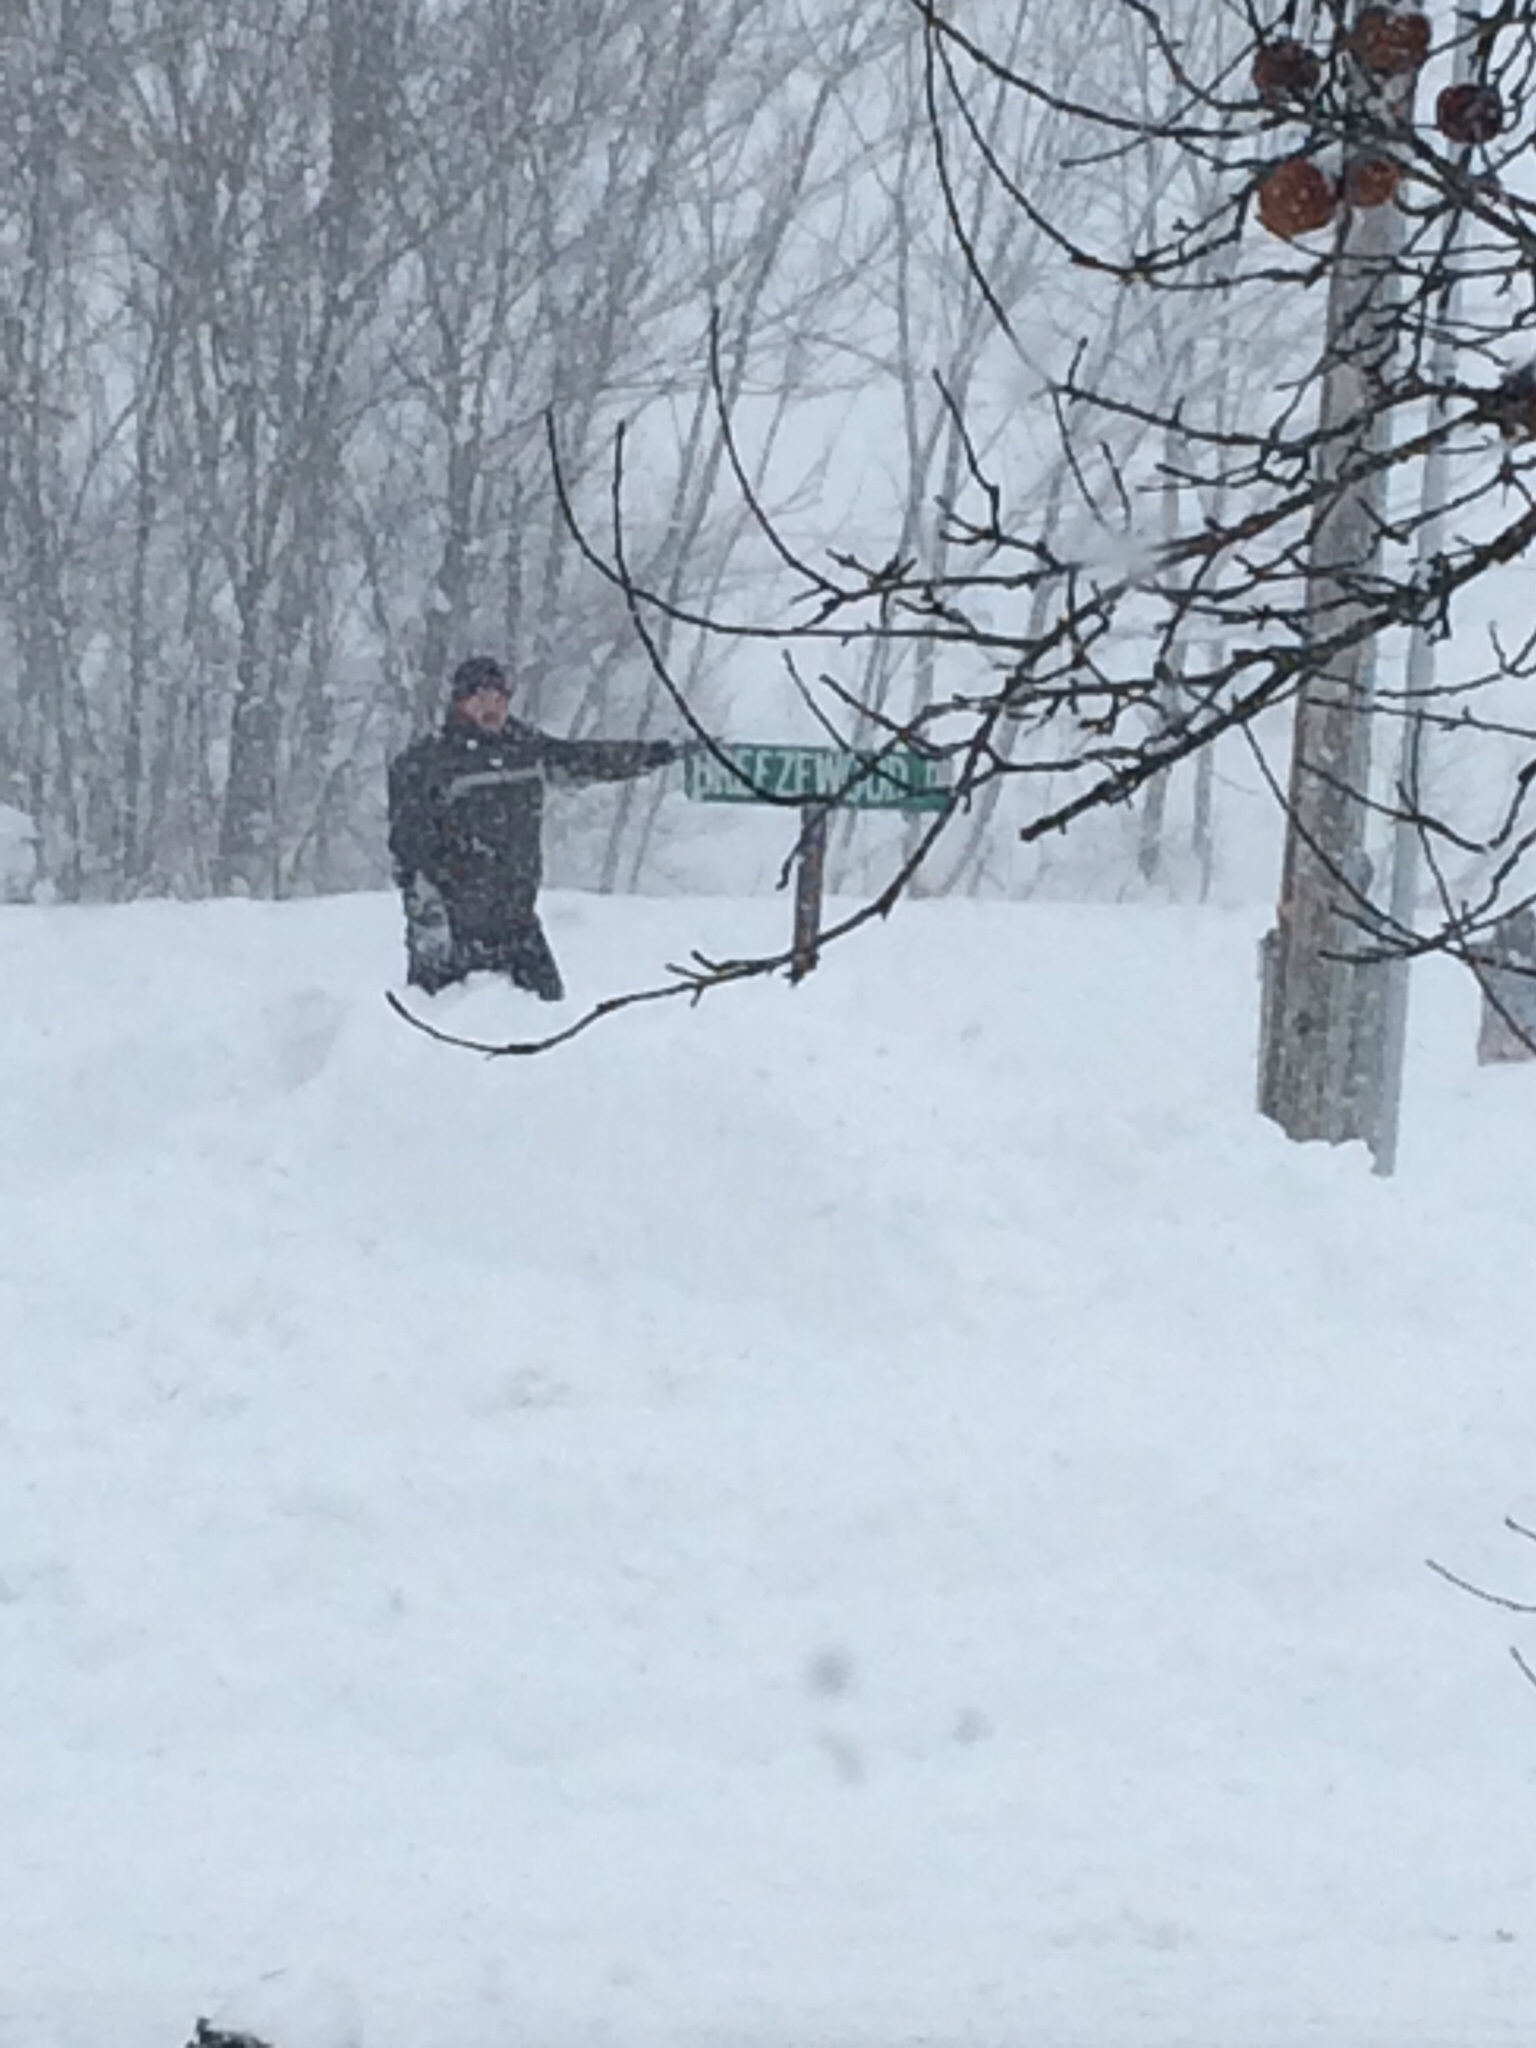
{"points": [[890, 1511]]}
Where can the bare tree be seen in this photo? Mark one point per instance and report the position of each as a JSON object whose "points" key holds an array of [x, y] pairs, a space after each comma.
{"points": [[1087, 658], [290, 287]]}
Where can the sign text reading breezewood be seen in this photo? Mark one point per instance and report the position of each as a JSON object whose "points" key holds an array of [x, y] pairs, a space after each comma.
{"points": [[897, 781]]}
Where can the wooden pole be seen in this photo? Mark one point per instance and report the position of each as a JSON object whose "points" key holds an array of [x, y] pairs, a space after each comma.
{"points": [[810, 884], [1319, 1071]]}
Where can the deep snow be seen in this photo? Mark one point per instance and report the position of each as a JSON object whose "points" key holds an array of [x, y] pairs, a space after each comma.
{"points": [[883, 1512]]}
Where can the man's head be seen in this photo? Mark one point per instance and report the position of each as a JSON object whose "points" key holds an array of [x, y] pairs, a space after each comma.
{"points": [[480, 693]]}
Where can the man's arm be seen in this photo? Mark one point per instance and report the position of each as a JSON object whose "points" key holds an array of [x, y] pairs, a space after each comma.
{"points": [[413, 822], [571, 762]]}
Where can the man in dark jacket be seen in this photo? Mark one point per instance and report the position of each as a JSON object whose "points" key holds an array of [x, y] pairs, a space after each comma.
{"points": [[466, 811]]}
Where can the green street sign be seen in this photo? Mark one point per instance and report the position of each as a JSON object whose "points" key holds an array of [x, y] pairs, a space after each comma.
{"points": [[897, 781]]}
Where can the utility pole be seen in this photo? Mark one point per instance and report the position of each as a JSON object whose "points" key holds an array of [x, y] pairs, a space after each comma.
{"points": [[1407, 854], [1320, 1045]]}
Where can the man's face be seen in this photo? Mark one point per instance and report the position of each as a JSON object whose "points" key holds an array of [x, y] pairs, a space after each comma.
{"points": [[486, 709]]}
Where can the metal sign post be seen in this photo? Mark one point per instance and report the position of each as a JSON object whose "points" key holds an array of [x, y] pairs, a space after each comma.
{"points": [[810, 886], [817, 781]]}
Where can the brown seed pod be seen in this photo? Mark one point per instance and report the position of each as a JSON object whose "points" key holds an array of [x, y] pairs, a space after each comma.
{"points": [[1511, 404], [1389, 42], [1371, 181], [1296, 198], [1286, 73], [1470, 113]]}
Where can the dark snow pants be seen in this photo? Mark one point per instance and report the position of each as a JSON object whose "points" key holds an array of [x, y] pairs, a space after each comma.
{"points": [[439, 954], [522, 953]]}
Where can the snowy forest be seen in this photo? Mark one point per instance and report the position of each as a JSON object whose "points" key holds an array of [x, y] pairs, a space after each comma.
{"points": [[1057, 394], [295, 289]]}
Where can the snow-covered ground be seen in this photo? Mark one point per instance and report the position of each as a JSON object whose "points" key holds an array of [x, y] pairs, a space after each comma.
{"points": [[887, 1512]]}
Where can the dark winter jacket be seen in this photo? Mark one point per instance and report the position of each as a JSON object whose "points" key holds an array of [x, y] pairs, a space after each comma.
{"points": [[466, 809]]}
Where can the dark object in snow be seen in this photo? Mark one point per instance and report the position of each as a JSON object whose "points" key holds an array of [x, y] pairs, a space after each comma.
{"points": [[1507, 973], [466, 814], [1371, 181], [1389, 42], [206, 2036], [1470, 113], [1286, 73], [1296, 198], [1511, 405]]}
